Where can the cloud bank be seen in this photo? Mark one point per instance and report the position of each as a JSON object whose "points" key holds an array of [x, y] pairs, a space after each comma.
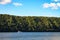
{"points": [[55, 5], [5, 1], [17, 4], [51, 5], [56, 0]]}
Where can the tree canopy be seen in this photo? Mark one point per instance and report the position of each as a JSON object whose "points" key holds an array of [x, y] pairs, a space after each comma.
{"points": [[11, 23]]}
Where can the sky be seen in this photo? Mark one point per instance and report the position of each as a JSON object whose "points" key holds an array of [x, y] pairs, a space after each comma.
{"points": [[50, 8]]}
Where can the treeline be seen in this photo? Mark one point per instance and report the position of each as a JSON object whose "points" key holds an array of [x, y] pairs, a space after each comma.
{"points": [[10, 23]]}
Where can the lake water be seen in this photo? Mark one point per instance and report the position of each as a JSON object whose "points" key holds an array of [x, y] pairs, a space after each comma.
{"points": [[30, 36]]}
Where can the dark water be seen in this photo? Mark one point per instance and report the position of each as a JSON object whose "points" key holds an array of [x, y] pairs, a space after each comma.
{"points": [[30, 36]]}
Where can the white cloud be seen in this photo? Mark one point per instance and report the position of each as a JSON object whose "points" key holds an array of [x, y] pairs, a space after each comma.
{"points": [[55, 0], [51, 5], [45, 5], [17, 4], [58, 4], [5, 1]]}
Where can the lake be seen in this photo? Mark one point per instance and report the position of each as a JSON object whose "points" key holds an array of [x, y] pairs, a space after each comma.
{"points": [[30, 36]]}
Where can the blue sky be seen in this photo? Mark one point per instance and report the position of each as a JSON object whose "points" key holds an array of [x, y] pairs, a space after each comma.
{"points": [[30, 7]]}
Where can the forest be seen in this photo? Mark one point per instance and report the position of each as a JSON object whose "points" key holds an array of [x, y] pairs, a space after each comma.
{"points": [[11, 23]]}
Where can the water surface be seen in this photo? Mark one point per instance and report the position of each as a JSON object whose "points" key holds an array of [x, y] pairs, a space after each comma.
{"points": [[30, 36]]}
